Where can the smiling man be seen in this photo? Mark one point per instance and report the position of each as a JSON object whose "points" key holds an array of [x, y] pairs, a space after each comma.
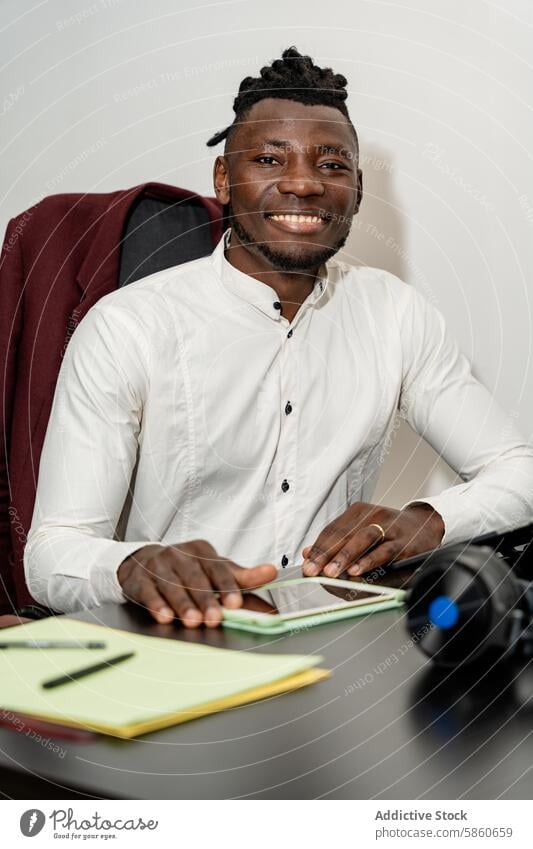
{"points": [[237, 406]]}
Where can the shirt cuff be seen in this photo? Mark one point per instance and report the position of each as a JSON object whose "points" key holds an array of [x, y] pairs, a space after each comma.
{"points": [[459, 513], [103, 575], [68, 571]]}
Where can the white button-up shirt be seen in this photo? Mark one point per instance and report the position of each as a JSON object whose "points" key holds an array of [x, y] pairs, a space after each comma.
{"points": [[188, 407]]}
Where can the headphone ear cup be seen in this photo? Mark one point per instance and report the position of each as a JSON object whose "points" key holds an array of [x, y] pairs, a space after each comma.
{"points": [[460, 603], [499, 579]]}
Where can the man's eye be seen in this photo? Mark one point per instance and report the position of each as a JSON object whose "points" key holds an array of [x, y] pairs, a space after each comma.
{"points": [[336, 166], [271, 158]]}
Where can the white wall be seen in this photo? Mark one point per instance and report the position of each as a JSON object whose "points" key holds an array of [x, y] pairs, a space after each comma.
{"points": [[106, 94]]}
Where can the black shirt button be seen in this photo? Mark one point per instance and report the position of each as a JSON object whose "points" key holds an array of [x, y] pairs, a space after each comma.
{"points": [[276, 305], [284, 486], [289, 334], [284, 561], [288, 408]]}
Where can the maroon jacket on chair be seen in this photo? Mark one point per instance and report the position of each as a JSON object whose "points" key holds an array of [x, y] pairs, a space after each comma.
{"points": [[58, 258]]}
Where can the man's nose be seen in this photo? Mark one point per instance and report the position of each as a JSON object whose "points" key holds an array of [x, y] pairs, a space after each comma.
{"points": [[301, 179]]}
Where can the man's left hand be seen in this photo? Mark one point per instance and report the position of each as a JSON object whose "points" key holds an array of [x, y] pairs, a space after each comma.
{"points": [[353, 544]]}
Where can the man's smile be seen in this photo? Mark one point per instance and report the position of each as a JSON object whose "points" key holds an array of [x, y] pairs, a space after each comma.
{"points": [[298, 222]]}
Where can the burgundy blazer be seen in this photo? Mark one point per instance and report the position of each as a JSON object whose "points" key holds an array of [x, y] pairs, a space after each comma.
{"points": [[58, 258]]}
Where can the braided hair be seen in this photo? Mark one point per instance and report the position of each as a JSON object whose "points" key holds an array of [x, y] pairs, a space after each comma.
{"points": [[293, 77]]}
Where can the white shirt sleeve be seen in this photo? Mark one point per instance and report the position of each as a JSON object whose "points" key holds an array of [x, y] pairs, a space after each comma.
{"points": [[71, 557], [446, 405]]}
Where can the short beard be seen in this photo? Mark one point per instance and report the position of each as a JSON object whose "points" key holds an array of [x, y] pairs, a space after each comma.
{"points": [[281, 261]]}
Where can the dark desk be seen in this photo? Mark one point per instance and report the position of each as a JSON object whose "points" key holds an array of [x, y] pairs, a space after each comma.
{"points": [[384, 726]]}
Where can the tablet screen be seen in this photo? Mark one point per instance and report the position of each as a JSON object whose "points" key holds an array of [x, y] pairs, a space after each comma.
{"points": [[305, 597]]}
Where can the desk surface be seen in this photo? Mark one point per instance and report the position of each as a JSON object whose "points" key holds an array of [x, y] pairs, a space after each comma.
{"points": [[384, 726]]}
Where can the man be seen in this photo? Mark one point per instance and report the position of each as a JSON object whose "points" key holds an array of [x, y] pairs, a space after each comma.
{"points": [[237, 406]]}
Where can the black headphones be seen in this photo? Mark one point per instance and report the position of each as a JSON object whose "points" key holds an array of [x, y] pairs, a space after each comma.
{"points": [[473, 600]]}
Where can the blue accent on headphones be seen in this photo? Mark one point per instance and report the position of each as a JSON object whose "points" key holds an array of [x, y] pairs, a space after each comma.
{"points": [[443, 612]]}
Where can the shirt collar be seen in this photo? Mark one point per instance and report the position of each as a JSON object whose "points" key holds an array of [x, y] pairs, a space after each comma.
{"points": [[255, 292]]}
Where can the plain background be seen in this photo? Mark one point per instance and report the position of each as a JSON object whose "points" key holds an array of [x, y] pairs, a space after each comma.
{"points": [[104, 95]]}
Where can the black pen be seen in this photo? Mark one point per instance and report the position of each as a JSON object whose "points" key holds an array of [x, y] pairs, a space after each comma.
{"points": [[87, 670], [52, 644]]}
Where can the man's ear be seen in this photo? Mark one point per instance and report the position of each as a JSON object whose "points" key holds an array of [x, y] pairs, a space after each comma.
{"points": [[221, 180], [359, 191]]}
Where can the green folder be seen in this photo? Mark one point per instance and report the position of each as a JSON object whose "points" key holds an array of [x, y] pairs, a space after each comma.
{"points": [[165, 683]]}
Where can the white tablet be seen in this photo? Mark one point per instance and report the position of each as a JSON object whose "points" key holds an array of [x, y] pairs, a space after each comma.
{"points": [[301, 598]]}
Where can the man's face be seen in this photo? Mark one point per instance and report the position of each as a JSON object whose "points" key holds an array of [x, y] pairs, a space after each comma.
{"points": [[291, 178]]}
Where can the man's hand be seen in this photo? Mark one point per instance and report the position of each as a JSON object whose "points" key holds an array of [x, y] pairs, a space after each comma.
{"points": [[181, 580], [8, 621], [349, 545]]}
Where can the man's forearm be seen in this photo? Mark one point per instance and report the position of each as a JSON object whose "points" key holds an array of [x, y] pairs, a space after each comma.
{"points": [[498, 498]]}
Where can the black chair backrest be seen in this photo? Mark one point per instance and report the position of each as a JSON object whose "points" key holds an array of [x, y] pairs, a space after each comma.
{"points": [[159, 234]]}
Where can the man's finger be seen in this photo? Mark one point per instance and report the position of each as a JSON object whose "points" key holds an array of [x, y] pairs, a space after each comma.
{"points": [[146, 594], [385, 553], [361, 542], [255, 576], [193, 578], [222, 577], [311, 569], [320, 554], [329, 542], [170, 587]]}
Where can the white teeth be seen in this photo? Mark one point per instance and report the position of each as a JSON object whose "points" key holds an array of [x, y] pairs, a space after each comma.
{"points": [[314, 219]]}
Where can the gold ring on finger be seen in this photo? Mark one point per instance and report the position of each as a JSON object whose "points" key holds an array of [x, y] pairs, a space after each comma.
{"points": [[380, 529]]}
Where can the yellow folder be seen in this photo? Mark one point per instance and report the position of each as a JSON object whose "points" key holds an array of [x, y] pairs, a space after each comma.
{"points": [[165, 683]]}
